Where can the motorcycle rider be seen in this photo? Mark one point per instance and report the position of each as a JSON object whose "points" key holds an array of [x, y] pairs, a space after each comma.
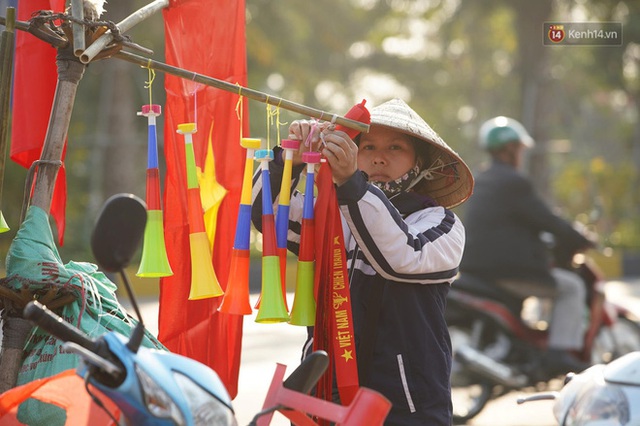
{"points": [[504, 219]]}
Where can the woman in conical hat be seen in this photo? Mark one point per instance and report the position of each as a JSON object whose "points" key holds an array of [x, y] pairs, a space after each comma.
{"points": [[395, 185], [442, 174]]}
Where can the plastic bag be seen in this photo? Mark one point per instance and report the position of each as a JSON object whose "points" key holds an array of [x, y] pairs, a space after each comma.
{"points": [[65, 390]]}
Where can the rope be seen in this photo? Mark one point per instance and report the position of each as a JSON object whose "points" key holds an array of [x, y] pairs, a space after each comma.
{"points": [[239, 112], [149, 84], [46, 17], [432, 171]]}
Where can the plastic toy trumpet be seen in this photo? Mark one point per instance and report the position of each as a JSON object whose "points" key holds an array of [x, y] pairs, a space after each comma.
{"points": [[282, 217], [303, 311], [204, 282], [272, 307], [154, 261], [236, 296]]}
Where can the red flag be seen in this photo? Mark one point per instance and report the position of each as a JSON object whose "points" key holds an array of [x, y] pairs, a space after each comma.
{"points": [[334, 325], [207, 37], [35, 79]]}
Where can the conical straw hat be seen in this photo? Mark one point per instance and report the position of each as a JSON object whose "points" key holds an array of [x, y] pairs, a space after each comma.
{"points": [[448, 179]]}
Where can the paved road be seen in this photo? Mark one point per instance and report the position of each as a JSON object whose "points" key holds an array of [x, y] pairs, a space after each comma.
{"points": [[264, 345]]}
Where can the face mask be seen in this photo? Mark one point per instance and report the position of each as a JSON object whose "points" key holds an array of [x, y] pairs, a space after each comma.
{"points": [[399, 185]]}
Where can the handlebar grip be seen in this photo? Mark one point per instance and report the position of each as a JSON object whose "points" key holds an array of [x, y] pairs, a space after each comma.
{"points": [[39, 314]]}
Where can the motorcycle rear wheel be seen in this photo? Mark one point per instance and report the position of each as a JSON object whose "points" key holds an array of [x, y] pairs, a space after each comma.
{"points": [[613, 342], [469, 392]]}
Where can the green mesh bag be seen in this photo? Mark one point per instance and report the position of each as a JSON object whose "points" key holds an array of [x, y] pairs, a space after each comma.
{"points": [[33, 260]]}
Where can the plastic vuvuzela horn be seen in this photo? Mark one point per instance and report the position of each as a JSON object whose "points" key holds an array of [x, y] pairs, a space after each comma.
{"points": [[204, 282], [272, 307], [303, 311], [236, 296], [154, 261], [282, 217]]}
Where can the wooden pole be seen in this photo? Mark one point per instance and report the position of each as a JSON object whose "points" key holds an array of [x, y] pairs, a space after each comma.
{"points": [[70, 72], [213, 82], [14, 328], [6, 73], [15, 331], [79, 42]]}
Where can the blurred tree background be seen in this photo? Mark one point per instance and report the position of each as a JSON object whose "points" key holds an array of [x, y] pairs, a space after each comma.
{"points": [[457, 63]]}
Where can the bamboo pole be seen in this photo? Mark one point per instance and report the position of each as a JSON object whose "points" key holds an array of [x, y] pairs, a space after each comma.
{"points": [[77, 11], [15, 332], [20, 25], [224, 85], [69, 75], [14, 329], [243, 91], [6, 73]]}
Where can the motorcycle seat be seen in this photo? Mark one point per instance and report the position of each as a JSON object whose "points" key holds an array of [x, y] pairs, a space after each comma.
{"points": [[492, 290]]}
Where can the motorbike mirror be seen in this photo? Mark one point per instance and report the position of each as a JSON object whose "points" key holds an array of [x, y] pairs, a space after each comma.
{"points": [[118, 231], [306, 376]]}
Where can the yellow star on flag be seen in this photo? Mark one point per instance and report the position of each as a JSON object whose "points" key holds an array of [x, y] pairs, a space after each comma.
{"points": [[211, 192], [347, 355]]}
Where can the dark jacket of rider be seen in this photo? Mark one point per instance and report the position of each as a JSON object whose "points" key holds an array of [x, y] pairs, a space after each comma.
{"points": [[504, 219]]}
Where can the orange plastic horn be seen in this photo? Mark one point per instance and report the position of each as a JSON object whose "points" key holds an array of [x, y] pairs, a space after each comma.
{"points": [[236, 296]]}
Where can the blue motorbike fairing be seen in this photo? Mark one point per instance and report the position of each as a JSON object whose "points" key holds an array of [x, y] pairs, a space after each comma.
{"points": [[160, 365]]}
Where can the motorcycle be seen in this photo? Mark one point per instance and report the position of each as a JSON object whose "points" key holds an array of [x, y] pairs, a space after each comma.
{"points": [[601, 395], [155, 387], [498, 344]]}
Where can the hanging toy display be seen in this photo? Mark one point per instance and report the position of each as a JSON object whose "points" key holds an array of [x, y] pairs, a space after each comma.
{"points": [[204, 283], [272, 306], [236, 297], [154, 262]]}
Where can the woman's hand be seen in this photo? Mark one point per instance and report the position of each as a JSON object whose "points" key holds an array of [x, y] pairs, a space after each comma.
{"points": [[300, 130], [341, 152], [339, 149]]}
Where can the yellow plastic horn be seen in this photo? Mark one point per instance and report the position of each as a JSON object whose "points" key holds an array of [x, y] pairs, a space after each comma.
{"points": [[204, 283], [3, 224], [154, 262]]}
